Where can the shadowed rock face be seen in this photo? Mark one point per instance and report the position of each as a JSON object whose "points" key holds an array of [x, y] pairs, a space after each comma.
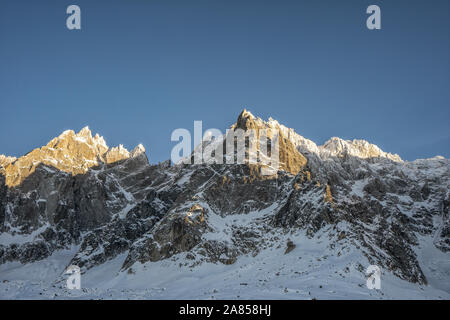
{"points": [[108, 201]]}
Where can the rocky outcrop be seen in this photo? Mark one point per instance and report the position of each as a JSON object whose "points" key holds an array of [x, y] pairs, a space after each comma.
{"points": [[178, 232], [5, 160], [114, 238], [290, 159], [70, 152]]}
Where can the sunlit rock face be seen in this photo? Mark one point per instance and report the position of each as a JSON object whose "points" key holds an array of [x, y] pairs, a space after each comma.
{"points": [[290, 159], [70, 152], [5, 160], [254, 130], [293, 148], [336, 147]]}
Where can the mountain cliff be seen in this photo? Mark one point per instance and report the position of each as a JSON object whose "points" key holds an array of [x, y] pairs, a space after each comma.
{"points": [[110, 207]]}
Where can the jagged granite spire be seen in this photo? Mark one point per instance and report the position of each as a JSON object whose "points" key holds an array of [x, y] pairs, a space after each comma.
{"points": [[70, 152], [5, 160]]}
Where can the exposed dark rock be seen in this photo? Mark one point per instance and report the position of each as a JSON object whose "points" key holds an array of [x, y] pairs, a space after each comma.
{"points": [[290, 246]]}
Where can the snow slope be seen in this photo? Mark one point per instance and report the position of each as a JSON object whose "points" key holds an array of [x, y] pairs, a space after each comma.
{"points": [[311, 270]]}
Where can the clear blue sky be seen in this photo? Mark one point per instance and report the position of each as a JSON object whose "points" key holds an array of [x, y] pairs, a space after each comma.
{"points": [[140, 69]]}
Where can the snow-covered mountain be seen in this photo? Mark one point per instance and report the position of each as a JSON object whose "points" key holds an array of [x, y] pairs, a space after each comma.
{"points": [[172, 231]]}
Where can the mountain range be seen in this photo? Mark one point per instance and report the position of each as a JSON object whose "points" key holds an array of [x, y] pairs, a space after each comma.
{"points": [[187, 231]]}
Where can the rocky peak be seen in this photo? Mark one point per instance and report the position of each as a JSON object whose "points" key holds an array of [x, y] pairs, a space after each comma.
{"points": [[70, 152], [116, 154], [5, 160], [293, 146], [290, 159], [138, 150], [85, 132], [335, 147], [357, 148], [245, 120]]}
